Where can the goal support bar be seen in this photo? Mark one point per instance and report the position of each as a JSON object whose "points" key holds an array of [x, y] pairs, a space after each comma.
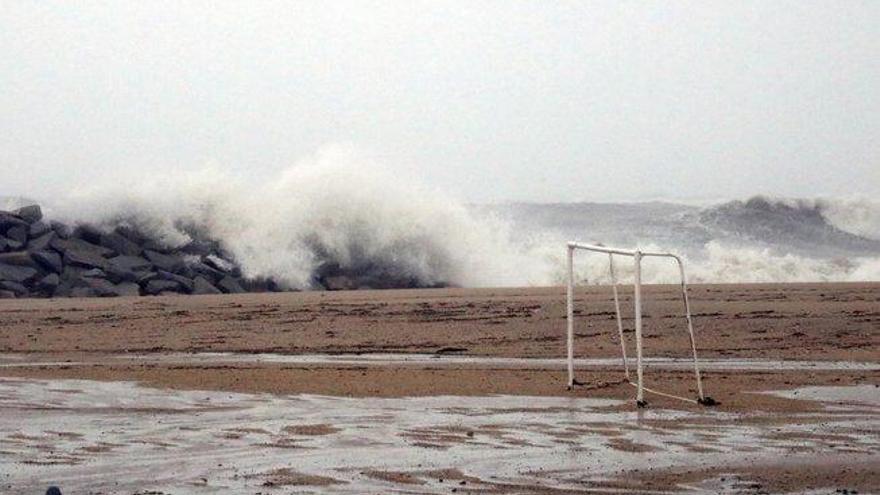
{"points": [[637, 256]]}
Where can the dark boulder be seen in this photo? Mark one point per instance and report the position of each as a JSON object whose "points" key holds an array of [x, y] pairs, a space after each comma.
{"points": [[13, 245], [64, 289], [146, 277], [165, 262], [186, 271], [101, 286], [186, 285], [74, 244], [42, 242], [127, 268], [74, 274], [211, 274], [38, 228], [62, 230], [127, 289], [49, 260], [84, 259], [19, 258], [4, 244], [260, 284], [9, 220], [155, 287], [230, 285], [201, 285], [93, 272], [78, 252], [201, 247], [88, 233], [132, 263], [30, 213], [120, 244], [157, 246], [18, 234], [83, 292], [49, 283], [15, 287], [222, 265], [132, 234], [20, 274]]}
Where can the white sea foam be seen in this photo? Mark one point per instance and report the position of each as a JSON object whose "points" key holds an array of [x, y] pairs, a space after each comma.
{"points": [[720, 263], [329, 208]]}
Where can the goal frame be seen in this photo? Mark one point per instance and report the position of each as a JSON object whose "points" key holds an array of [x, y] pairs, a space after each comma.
{"points": [[637, 256]]}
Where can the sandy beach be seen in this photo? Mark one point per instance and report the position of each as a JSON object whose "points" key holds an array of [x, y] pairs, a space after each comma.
{"points": [[795, 368]]}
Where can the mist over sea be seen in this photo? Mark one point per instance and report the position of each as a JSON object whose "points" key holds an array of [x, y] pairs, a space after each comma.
{"points": [[368, 221]]}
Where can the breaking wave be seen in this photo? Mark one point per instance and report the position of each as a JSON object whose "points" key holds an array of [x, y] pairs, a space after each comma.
{"points": [[331, 214], [336, 215]]}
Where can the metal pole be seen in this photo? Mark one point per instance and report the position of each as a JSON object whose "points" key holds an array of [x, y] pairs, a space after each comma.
{"points": [[570, 316], [640, 394], [617, 310], [690, 324]]}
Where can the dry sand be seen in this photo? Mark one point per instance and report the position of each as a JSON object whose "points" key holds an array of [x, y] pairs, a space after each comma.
{"points": [[132, 339]]}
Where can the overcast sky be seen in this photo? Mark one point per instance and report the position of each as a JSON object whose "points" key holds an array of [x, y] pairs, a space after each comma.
{"points": [[492, 101]]}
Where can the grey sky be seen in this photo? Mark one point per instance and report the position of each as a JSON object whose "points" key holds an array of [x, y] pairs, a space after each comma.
{"points": [[488, 100]]}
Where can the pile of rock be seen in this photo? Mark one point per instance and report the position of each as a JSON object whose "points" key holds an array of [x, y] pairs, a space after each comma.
{"points": [[52, 259]]}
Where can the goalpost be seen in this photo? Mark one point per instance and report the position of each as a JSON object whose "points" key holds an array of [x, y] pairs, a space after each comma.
{"points": [[637, 256]]}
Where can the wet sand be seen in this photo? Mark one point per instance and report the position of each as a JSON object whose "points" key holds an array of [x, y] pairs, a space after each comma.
{"points": [[169, 343], [796, 321]]}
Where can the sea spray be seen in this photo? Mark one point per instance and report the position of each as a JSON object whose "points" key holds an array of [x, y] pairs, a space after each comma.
{"points": [[331, 211], [337, 215]]}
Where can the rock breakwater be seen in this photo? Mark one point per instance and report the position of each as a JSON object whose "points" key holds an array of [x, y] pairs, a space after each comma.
{"points": [[40, 258]]}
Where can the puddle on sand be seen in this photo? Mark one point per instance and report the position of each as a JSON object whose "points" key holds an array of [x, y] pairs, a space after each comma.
{"points": [[118, 437], [437, 360], [868, 395]]}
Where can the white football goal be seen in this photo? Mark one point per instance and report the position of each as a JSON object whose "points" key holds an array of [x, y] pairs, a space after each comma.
{"points": [[636, 256]]}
